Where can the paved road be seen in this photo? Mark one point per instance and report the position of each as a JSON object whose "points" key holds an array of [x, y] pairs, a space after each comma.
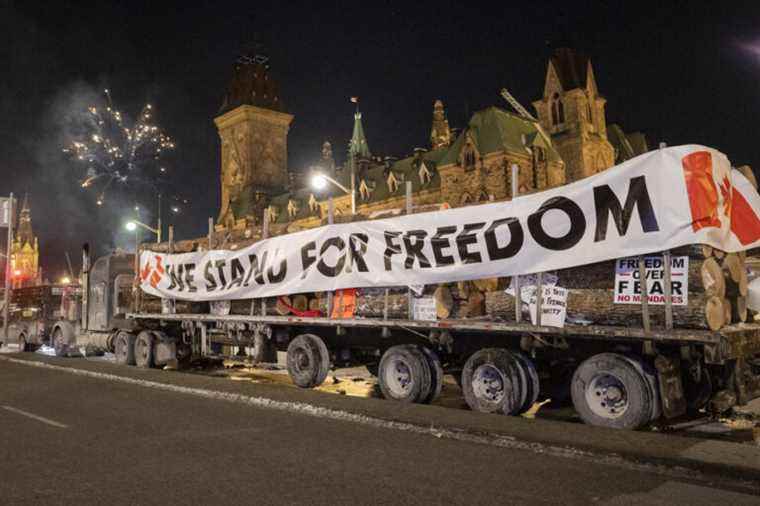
{"points": [[68, 439]]}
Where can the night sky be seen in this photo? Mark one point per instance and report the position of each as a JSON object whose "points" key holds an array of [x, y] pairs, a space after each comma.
{"points": [[678, 72]]}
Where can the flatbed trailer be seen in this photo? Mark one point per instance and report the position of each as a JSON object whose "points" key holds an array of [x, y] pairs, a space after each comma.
{"points": [[637, 375]]}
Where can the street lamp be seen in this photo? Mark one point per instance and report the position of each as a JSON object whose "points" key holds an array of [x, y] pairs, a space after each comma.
{"points": [[319, 182], [133, 224]]}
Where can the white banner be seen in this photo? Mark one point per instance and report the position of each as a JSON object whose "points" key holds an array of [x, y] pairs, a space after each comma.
{"points": [[663, 199], [628, 280]]}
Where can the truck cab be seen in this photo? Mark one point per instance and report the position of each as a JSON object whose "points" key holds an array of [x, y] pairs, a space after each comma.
{"points": [[107, 294]]}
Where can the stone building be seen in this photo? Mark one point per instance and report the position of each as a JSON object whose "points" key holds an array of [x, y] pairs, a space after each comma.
{"points": [[568, 141], [25, 251]]}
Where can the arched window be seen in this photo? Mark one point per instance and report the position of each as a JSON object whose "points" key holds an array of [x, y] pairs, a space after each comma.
{"points": [[558, 110], [588, 112], [469, 158]]}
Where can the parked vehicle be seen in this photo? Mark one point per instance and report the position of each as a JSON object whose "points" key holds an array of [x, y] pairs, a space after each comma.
{"points": [[34, 311]]}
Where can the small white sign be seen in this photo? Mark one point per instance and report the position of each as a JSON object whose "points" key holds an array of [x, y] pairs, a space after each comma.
{"points": [[528, 284], [417, 289], [5, 211], [423, 308], [628, 280], [553, 307]]}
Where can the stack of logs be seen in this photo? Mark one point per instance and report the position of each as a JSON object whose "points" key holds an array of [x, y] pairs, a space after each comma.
{"points": [[717, 290]]}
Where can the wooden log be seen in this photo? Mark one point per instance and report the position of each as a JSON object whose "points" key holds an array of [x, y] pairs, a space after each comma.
{"points": [[596, 306], [746, 171], [715, 315], [300, 302], [486, 284], [739, 310], [707, 251], [474, 305], [734, 266], [315, 304], [719, 254], [726, 311], [713, 282], [444, 302], [281, 308]]}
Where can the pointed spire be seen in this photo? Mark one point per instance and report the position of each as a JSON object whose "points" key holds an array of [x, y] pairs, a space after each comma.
{"points": [[25, 235], [440, 133], [358, 145]]}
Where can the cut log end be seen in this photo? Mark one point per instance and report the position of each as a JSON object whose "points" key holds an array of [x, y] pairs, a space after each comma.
{"points": [[712, 278], [715, 313]]}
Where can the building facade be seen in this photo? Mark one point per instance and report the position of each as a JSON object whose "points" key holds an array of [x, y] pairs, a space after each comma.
{"points": [[25, 252], [566, 142]]}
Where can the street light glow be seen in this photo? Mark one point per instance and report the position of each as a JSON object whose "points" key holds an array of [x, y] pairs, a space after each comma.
{"points": [[131, 226], [319, 182], [65, 280]]}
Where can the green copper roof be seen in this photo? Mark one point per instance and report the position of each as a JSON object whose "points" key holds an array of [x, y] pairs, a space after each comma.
{"points": [[493, 130], [358, 144]]}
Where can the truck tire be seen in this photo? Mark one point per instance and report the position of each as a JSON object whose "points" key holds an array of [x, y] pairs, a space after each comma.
{"points": [[23, 345], [124, 348], [404, 374], [491, 382], [609, 391], [308, 361], [532, 386], [143, 349], [436, 374]]}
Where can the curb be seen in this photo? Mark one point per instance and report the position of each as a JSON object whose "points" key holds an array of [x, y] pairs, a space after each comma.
{"points": [[668, 454]]}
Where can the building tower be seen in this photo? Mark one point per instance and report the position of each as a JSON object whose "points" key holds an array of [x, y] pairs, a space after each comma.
{"points": [[25, 251], [254, 132], [572, 111], [327, 162], [357, 146], [440, 133]]}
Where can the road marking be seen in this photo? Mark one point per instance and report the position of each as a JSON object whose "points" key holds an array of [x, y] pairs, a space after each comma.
{"points": [[35, 417], [670, 469]]}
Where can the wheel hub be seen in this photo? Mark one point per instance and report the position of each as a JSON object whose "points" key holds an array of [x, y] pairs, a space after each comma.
{"points": [[607, 396], [398, 376], [488, 383]]}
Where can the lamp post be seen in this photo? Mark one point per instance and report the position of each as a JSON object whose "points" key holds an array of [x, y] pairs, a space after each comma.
{"points": [[319, 181]]}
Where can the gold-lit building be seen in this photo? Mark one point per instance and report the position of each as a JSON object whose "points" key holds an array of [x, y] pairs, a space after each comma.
{"points": [[569, 139], [25, 251]]}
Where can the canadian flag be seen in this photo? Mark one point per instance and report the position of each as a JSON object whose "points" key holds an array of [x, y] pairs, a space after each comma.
{"points": [[716, 204]]}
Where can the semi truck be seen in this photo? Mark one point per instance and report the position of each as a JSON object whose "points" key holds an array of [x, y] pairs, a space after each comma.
{"points": [[651, 363], [617, 376]]}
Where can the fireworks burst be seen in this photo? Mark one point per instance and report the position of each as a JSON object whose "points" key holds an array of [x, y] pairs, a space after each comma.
{"points": [[115, 150]]}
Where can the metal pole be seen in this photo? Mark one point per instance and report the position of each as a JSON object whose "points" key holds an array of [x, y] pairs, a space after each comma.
{"points": [[539, 297], [644, 294], [518, 295], [353, 184], [8, 267], [159, 227], [264, 235], [666, 258], [330, 218], [172, 302], [409, 298]]}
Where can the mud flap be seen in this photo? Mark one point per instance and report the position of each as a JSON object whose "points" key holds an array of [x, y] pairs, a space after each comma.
{"points": [[671, 387]]}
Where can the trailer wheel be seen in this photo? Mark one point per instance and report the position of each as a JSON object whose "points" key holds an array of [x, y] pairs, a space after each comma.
{"points": [[144, 349], [491, 382], [436, 374], [124, 348], [60, 343], [532, 384], [308, 361], [404, 374], [608, 391], [23, 346]]}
